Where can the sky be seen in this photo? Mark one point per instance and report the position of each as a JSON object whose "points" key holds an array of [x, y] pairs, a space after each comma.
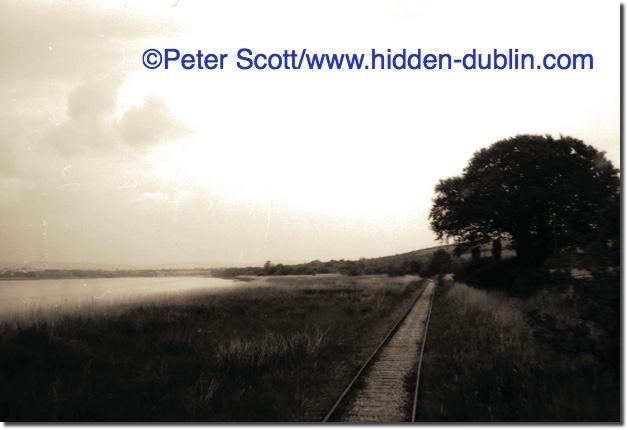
{"points": [[105, 161]]}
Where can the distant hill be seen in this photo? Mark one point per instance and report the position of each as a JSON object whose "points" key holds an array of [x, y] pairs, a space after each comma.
{"points": [[426, 253], [398, 264], [421, 254]]}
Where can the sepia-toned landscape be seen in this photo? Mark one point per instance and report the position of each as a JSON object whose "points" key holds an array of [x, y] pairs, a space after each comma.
{"points": [[305, 247], [512, 338]]}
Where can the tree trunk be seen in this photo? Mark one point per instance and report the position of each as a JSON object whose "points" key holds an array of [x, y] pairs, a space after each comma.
{"points": [[497, 249], [476, 253]]}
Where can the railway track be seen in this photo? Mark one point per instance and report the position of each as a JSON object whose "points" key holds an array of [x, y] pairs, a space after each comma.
{"points": [[379, 392]]}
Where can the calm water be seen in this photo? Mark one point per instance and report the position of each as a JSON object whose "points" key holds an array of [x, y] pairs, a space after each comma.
{"points": [[70, 295]]}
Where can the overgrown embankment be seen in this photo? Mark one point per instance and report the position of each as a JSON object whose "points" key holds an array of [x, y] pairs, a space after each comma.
{"points": [[551, 354]]}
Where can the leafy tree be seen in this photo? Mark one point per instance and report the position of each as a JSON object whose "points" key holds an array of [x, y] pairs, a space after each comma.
{"points": [[440, 263], [543, 194], [280, 269], [414, 266], [269, 269], [395, 270]]}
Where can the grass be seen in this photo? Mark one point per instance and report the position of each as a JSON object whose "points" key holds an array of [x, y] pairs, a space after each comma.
{"points": [[281, 349], [552, 356]]}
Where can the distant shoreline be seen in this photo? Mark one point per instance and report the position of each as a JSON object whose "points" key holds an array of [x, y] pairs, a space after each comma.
{"points": [[93, 274]]}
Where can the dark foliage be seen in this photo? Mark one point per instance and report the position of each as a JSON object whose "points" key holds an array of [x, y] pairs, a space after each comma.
{"points": [[396, 265], [544, 194], [440, 263], [553, 357], [510, 275]]}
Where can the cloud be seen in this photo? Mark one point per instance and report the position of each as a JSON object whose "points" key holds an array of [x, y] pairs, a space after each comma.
{"points": [[62, 66], [150, 123], [90, 122], [89, 117], [155, 197], [168, 195], [94, 98], [55, 40], [10, 134]]}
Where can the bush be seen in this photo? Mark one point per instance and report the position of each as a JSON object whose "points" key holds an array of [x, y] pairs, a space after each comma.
{"points": [[508, 275], [491, 357], [395, 270], [440, 263]]}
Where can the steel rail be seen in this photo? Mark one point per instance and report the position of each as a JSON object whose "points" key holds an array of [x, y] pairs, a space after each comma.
{"points": [[418, 369], [368, 361]]}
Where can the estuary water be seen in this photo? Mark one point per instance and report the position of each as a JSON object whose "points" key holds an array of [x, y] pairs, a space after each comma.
{"points": [[42, 296]]}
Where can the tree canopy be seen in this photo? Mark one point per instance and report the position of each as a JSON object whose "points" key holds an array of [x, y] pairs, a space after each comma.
{"points": [[543, 194]]}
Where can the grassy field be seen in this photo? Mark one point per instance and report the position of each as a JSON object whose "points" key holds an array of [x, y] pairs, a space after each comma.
{"points": [[550, 357], [280, 350]]}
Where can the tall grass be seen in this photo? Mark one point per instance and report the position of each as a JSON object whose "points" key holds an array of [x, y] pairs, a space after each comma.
{"points": [[493, 357], [279, 350], [269, 350]]}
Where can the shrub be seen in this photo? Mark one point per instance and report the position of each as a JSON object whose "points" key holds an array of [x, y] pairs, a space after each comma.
{"points": [[440, 263], [508, 275]]}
